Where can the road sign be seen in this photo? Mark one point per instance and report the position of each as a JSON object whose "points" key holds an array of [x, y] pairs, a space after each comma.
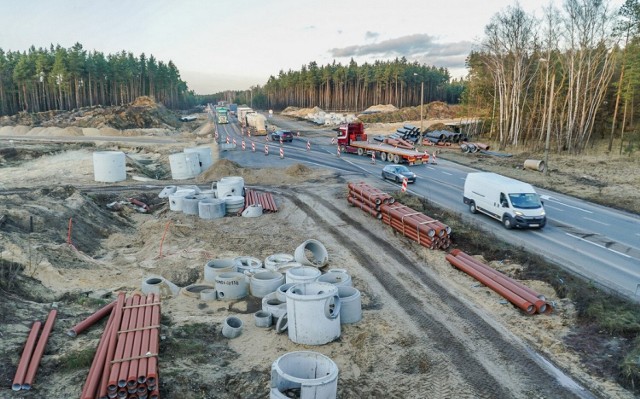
{"points": [[281, 152], [404, 185], [308, 145], [333, 140]]}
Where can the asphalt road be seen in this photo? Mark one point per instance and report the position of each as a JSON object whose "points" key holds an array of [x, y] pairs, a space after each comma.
{"points": [[599, 243]]}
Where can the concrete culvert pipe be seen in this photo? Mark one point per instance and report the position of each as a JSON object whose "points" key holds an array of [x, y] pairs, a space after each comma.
{"points": [[534, 164], [312, 253], [263, 319], [248, 263], [160, 286], [272, 262], [232, 327]]}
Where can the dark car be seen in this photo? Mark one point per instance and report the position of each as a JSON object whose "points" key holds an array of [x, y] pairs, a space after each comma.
{"points": [[285, 135], [397, 173]]}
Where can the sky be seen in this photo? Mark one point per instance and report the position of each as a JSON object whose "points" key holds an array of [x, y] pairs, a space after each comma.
{"points": [[222, 45]]}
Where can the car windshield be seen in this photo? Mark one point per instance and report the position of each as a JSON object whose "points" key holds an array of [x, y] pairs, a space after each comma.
{"points": [[525, 200], [402, 169]]}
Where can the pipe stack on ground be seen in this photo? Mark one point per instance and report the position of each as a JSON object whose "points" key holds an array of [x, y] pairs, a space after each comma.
{"points": [[419, 227], [32, 353], [512, 290], [126, 361], [252, 197]]}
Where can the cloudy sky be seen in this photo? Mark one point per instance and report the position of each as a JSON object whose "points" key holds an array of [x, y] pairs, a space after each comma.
{"points": [[223, 44]]}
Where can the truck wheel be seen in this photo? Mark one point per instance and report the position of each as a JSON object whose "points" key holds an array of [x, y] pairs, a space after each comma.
{"points": [[507, 222], [383, 156], [396, 158], [360, 151], [472, 207]]}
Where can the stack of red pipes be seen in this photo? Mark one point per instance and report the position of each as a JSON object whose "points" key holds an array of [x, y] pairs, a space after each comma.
{"points": [[421, 228], [252, 197], [126, 361], [368, 198], [32, 353], [512, 290]]}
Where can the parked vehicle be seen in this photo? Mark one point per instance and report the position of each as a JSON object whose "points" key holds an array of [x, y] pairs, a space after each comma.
{"points": [[514, 203], [286, 135], [397, 173], [353, 139]]}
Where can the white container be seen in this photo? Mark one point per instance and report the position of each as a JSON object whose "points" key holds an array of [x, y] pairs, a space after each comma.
{"points": [[281, 292], [190, 204], [313, 313], [265, 282], [168, 190], [232, 327], [109, 166], [233, 204], [184, 165], [175, 199], [248, 264], [231, 285], [211, 208], [205, 156], [216, 266], [312, 375], [350, 305], [335, 277], [302, 274], [230, 186], [272, 304], [319, 255]]}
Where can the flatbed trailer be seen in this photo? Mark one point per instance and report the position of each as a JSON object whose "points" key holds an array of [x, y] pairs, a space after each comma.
{"points": [[352, 139]]}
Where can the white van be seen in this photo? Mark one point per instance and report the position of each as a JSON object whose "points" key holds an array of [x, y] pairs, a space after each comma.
{"points": [[514, 203]]}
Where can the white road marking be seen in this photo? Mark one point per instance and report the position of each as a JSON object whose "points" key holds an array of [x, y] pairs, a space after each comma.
{"points": [[553, 207], [601, 246], [570, 206], [446, 173], [597, 221]]}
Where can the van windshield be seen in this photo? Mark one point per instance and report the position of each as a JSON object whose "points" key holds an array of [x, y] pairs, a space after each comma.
{"points": [[525, 200]]}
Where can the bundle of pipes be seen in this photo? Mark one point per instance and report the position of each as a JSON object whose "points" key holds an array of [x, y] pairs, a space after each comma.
{"points": [[401, 143], [126, 360], [512, 290], [419, 227], [371, 196], [32, 353], [428, 232], [252, 197]]}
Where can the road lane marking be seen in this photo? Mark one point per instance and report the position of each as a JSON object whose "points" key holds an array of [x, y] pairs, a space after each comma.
{"points": [[597, 221], [569, 206], [553, 207], [447, 173], [598, 245]]}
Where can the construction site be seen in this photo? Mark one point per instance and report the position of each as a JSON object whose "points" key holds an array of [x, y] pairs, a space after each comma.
{"points": [[133, 293]]}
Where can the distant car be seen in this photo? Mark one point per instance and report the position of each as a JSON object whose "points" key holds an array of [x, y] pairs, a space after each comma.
{"points": [[397, 173], [286, 135]]}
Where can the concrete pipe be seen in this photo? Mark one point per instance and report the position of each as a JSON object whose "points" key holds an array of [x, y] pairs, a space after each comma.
{"points": [[281, 292], [313, 374], [248, 263], [263, 319], [166, 191], [232, 327], [272, 304], [312, 253], [534, 164], [208, 294], [252, 211], [271, 262], [160, 286]]}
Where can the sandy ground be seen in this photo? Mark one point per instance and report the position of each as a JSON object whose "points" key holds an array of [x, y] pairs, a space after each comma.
{"points": [[427, 329]]}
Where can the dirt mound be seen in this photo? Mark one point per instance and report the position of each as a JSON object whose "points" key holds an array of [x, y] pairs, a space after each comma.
{"points": [[142, 113], [434, 110], [380, 108], [298, 170], [220, 168]]}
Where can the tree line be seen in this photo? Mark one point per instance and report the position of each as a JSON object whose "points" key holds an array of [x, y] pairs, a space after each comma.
{"points": [[559, 80], [59, 78]]}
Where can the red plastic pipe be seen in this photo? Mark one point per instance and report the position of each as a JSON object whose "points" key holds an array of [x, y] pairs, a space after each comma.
{"points": [[112, 385], [39, 351], [144, 346], [18, 380], [89, 321], [128, 344], [501, 290], [152, 366], [89, 388], [111, 347], [132, 377], [507, 282]]}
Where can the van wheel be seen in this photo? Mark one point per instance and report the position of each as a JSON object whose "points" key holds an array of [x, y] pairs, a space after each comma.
{"points": [[472, 207], [507, 222]]}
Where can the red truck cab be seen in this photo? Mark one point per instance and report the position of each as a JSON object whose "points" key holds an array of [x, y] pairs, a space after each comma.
{"points": [[351, 132]]}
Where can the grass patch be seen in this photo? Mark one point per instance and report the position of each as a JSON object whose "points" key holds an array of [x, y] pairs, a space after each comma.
{"points": [[597, 309], [80, 359]]}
